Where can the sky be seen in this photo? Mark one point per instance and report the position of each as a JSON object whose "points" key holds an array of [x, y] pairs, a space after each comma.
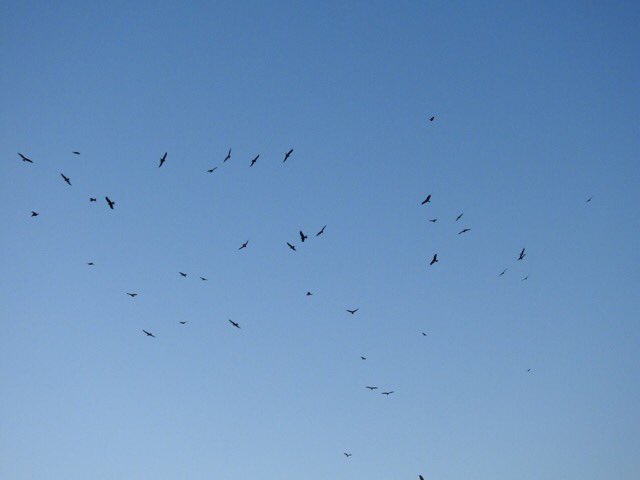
{"points": [[536, 109]]}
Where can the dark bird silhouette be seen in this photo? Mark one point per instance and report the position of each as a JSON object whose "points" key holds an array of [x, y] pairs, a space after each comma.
{"points": [[433, 220], [432, 119], [244, 245], [34, 214], [235, 324], [321, 231], [303, 237], [588, 199], [424, 334], [75, 153], [25, 159], [183, 322], [65, 178], [203, 279], [420, 477], [387, 393], [434, 259], [91, 199], [347, 454], [528, 370], [309, 294], [149, 334], [503, 272], [183, 274], [525, 278], [228, 156], [132, 295], [255, 159], [465, 230], [352, 311], [110, 202], [372, 388], [426, 200], [163, 159], [459, 217], [287, 155], [362, 358], [90, 263], [211, 170], [292, 247], [522, 255]]}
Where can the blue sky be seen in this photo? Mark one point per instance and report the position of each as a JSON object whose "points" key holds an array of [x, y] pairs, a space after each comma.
{"points": [[536, 110]]}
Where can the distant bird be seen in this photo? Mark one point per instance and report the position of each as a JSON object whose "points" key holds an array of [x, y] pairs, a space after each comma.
{"points": [[420, 477], [588, 199], [90, 263], [235, 324], [528, 370], [292, 247], [163, 159], [433, 220], [426, 200], [503, 272], [132, 295], [91, 199], [352, 311], [525, 278], [434, 259], [183, 274], [183, 322], [228, 156], [244, 245], [432, 119], [362, 358], [110, 202], [149, 334], [211, 170], [424, 334], [372, 388], [203, 279], [464, 231], [309, 294], [522, 255], [75, 153], [34, 214], [303, 237], [459, 217], [255, 159], [287, 155], [347, 454], [25, 159], [65, 178], [387, 393], [321, 231]]}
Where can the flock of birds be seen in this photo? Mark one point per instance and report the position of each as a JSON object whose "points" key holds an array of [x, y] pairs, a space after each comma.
{"points": [[303, 237]]}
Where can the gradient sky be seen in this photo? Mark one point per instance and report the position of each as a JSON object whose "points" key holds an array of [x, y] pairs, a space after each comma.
{"points": [[537, 109]]}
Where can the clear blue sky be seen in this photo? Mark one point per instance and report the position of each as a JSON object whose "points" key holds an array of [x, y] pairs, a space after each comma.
{"points": [[537, 109]]}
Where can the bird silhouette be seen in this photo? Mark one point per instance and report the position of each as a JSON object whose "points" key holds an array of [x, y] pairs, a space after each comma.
{"points": [[309, 294], [434, 259], [525, 278], [387, 393], [183, 322], [91, 199], [244, 245], [321, 231], [163, 159], [287, 155], [426, 200], [149, 334], [65, 178], [34, 214], [24, 158], [255, 159], [110, 202], [211, 170], [459, 217], [503, 272], [228, 156], [347, 454], [203, 279], [353, 311], [183, 274], [432, 119], [235, 324], [372, 388], [420, 477], [589, 199], [522, 255], [362, 358], [75, 153], [465, 230], [90, 263], [424, 334], [433, 220], [132, 295], [303, 237], [528, 370], [292, 247]]}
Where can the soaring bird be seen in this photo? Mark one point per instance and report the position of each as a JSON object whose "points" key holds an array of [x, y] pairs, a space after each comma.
{"points": [[91, 199], [525, 278], [352, 311], [433, 220], [110, 202], [420, 477], [255, 159], [528, 370], [522, 255], [347, 454], [465, 230], [132, 295], [34, 214], [25, 159], [459, 217], [183, 274], [75, 153], [424, 334], [149, 334], [235, 324], [372, 388], [244, 245], [303, 237], [309, 294], [292, 247], [362, 358], [503, 272], [228, 156], [184, 322], [90, 264], [321, 231], [163, 159], [434, 259], [287, 155], [211, 170], [432, 119], [65, 178], [589, 199], [387, 393], [203, 279], [426, 200]]}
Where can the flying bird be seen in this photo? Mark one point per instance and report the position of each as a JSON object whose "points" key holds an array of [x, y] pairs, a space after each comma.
{"points": [[522, 255], [525, 278], [228, 156], [362, 358], [465, 230], [347, 454], [132, 295], [287, 155], [110, 202], [211, 170], [292, 247], [426, 200], [255, 159], [432, 119], [424, 334], [503, 272], [589, 199], [163, 159], [25, 159], [387, 393], [75, 153], [372, 388], [184, 322], [235, 324], [34, 214], [244, 245], [528, 370], [433, 220], [149, 334], [434, 259], [90, 263], [303, 237], [309, 294], [183, 274], [203, 279], [65, 178], [91, 199], [420, 477], [459, 217], [353, 311], [321, 231]]}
